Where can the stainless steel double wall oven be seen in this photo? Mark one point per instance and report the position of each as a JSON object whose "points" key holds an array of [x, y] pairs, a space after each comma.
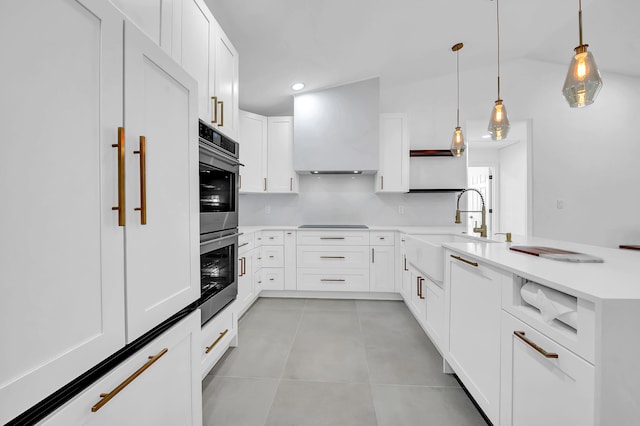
{"points": [[219, 171]]}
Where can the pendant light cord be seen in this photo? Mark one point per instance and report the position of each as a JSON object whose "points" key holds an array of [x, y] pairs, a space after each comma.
{"points": [[458, 80], [580, 19], [498, 24]]}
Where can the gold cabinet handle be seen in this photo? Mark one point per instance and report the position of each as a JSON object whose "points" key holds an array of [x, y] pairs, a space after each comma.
{"points": [[290, 184], [418, 286], [420, 294], [243, 244], [221, 103], [332, 238], [120, 206], [265, 184], [327, 280], [405, 262], [466, 261], [143, 180], [215, 342], [520, 335], [215, 109], [373, 255], [331, 257], [244, 266], [106, 397], [381, 182]]}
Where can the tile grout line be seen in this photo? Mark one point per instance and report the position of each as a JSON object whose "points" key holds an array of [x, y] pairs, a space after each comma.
{"points": [[284, 367], [366, 361]]}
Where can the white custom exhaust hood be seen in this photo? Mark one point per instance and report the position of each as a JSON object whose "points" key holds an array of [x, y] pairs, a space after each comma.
{"points": [[336, 130]]}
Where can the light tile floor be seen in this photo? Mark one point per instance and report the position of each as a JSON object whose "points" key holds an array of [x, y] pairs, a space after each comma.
{"points": [[333, 362]]}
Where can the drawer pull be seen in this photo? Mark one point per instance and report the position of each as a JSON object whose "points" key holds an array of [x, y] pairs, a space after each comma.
{"points": [[243, 244], [332, 238], [465, 261], [373, 255], [106, 397], [520, 335], [421, 296], [216, 341], [405, 263], [332, 280], [331, 257]]}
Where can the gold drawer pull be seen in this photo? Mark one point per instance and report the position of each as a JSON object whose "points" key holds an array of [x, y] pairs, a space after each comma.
{"points": [[215, 109], [465, 261], [520, 335], [331, 257], [243, 244], [106, 397], [221, 103], [332, 238], [143, 180], [121, 195], [216, 341], [405, 263], [331, 280]]}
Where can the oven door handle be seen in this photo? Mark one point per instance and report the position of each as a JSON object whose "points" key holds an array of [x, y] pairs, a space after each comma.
{"points": [[221, 155], [217, 241]]}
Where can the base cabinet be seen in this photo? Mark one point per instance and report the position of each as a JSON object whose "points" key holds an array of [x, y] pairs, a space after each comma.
{"points": [[165, 390], [417, 299], [556, 389], [434, 324], [217, 335]]}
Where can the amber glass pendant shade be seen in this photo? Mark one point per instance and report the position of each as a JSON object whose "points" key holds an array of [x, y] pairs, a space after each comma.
{"points": [[457, 142], [499, 122]]}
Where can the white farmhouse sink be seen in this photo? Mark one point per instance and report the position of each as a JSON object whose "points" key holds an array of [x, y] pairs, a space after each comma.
{"points": [[425, 252]]}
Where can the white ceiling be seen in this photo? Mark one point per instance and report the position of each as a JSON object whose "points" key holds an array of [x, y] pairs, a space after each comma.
{"points": [[325, 43]]}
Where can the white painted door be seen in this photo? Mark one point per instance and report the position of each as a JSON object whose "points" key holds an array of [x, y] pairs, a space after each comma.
{"points": [[280, 174], [162, 261], [167, 392], [382, 269], [194, 51], [474, 332], [61, 249], [538, 389], [154, 18], [393, 173], [226, 83], [253, 152]]}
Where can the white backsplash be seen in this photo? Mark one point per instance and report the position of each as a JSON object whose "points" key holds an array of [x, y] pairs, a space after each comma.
{"points": [[339, 199]]}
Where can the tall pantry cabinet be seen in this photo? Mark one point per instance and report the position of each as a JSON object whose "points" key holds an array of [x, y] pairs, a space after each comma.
{"points": [[116, 120]]}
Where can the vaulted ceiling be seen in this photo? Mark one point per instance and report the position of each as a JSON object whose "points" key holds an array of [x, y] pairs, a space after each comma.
{"points": [[324, 43]]}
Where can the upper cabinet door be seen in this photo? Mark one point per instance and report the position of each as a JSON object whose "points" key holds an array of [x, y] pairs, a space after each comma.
{"points": [[154, 18], [253, 152], [226, 84], [162, 256], [193, 49], [61, 249], [280, 174], [393, 175]]}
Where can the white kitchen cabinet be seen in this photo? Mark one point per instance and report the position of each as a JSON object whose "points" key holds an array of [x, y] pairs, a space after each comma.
{"points": [[393, 171], [193, 48], [382, 268], [280, 174], [155, 19], [434, 323], [333, 279], [266, 150], [417, 299], [226, 77], [166, 389], [61, 250], [162, 266], [80, 270], [253, 152], [216, 336], [474, 301], [290, 260], [246, 292], [542, 381], [405, 284]]}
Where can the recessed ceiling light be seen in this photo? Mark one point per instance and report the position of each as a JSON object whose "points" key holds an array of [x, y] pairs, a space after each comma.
{"points": [[297, 86], [486, 136]]}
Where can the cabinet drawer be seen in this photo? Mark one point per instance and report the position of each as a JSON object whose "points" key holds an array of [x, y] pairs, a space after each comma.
{"points": [[333, 238], [381, 238], [272, 256], [270, 279], [558, 388], [214, 339], [333, 257], [246, 242], [270, 238], [168, 391], [333, 280]]}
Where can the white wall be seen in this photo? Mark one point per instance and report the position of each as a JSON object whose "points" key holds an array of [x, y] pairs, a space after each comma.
{"points": [[585, 157], [336, 199]]}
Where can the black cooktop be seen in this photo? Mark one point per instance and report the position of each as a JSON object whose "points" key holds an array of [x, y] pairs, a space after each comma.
{"points": [[334, 226]]}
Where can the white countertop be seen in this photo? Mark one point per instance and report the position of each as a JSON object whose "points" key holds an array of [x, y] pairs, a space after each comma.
{"points": [[617, 278]]}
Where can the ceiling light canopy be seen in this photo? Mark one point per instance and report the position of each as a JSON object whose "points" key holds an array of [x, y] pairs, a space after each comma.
{"points": [[297, 86], [583, 80], [499, 122], [457, 143]]}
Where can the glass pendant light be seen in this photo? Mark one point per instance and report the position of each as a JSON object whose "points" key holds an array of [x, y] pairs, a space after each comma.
{"points": [[457, 144], [499, 122], [583, 80]]}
